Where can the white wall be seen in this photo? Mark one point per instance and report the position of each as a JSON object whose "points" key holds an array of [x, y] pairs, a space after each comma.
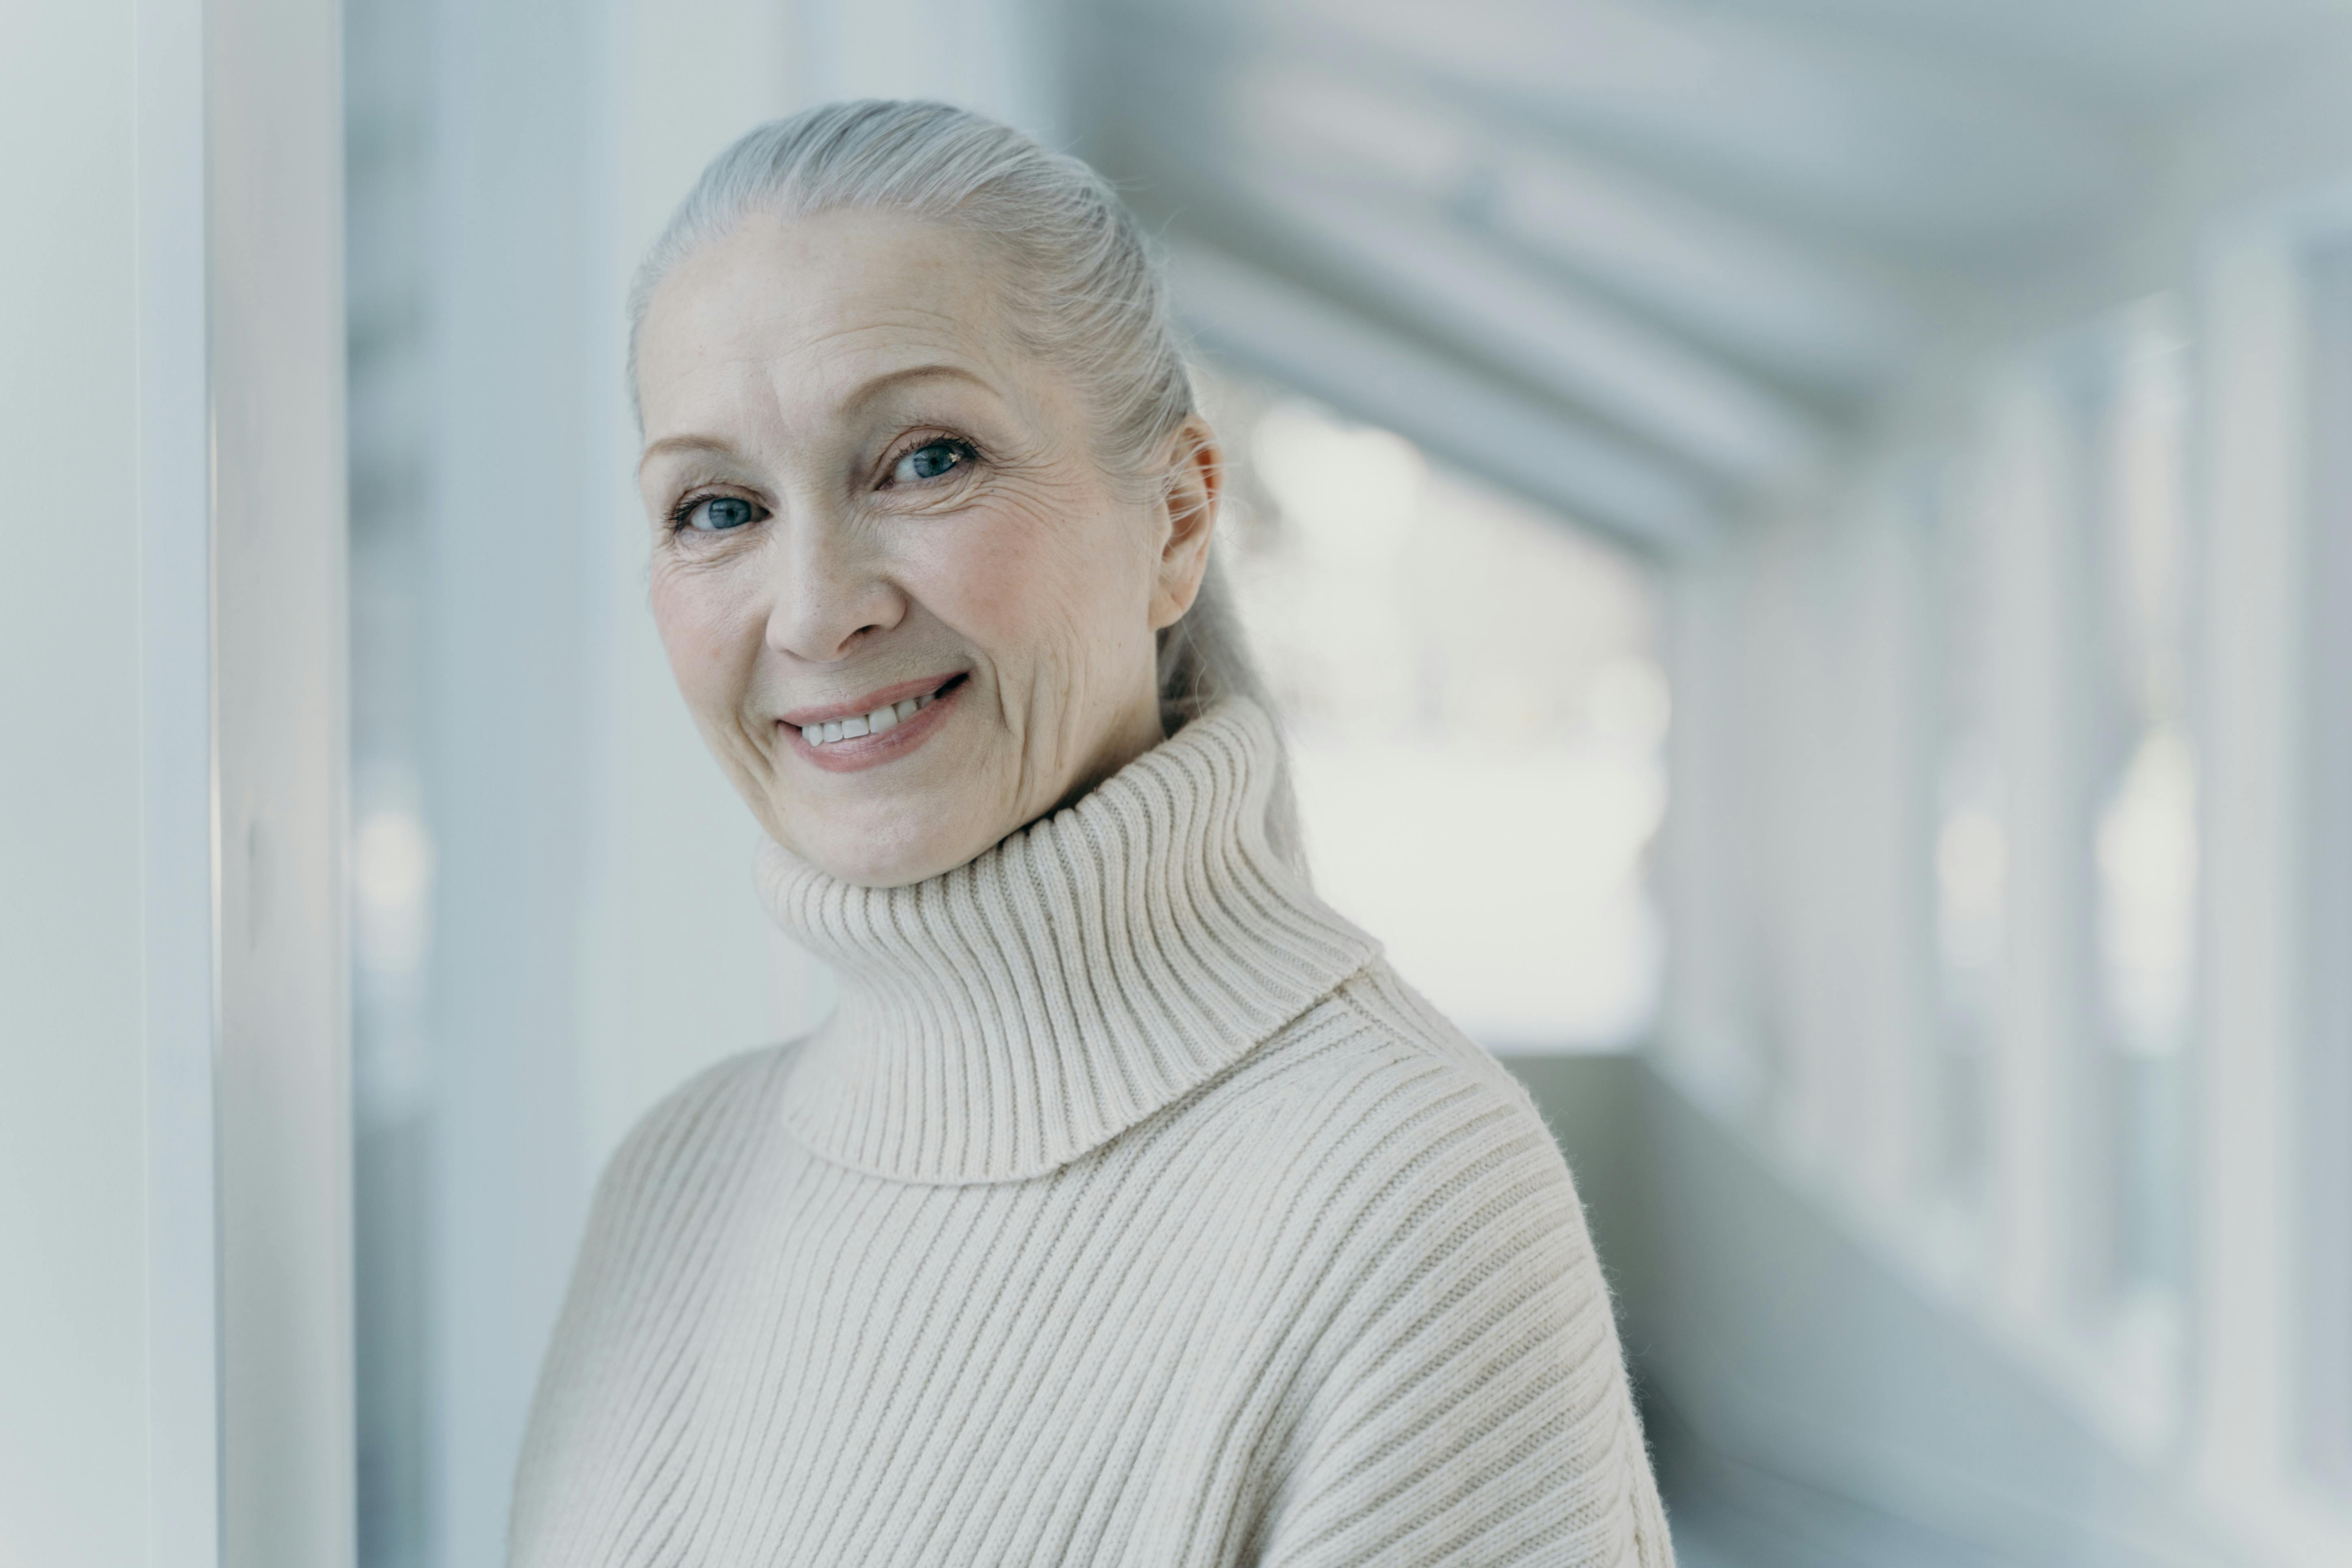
{"points": [[174, 1177], [73, 1217], [510, 702]]}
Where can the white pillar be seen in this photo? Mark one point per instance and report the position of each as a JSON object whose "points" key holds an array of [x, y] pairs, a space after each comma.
{"points": [[282, 1094], [176, 736], [75, 1487], [173, 1168], [2253, 565], [2038, 588]]}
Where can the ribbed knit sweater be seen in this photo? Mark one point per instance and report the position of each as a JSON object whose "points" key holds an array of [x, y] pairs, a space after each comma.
{"points": [[1129, 1211]]}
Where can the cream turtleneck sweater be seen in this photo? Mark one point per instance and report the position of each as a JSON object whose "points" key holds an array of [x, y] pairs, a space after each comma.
{"points": [[1130, 1211]]}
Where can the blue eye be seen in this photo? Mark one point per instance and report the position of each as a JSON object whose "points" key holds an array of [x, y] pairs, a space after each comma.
{"points": [[930, 461], [716, 514]]}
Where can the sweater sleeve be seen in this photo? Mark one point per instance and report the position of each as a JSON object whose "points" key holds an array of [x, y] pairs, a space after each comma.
{"points": [[1478, 1410]]}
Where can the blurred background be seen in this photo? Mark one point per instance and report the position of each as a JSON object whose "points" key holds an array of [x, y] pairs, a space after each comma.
{"points": [[1833, 518]]}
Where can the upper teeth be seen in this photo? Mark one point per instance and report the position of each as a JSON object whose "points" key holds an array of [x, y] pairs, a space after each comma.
{"points": [[874, 724]]}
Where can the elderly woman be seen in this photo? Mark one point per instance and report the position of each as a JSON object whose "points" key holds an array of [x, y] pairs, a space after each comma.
{"points": [[1130, 1210]]}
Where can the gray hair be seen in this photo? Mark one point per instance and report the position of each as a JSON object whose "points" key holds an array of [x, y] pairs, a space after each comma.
{"points": [[1083, 293]]}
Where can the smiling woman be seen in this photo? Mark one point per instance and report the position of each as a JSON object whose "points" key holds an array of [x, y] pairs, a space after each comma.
{"points": [[1130, 1209], [865, 492]]}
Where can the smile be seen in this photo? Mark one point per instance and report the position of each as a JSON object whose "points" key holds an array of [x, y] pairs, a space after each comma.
{"points": [[874, 724], [879, 726]]}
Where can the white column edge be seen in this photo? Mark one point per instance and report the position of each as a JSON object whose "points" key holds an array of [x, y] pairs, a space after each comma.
{"points": [[180, 842]]}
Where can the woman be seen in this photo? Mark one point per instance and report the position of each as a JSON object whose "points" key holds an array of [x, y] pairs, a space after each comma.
{"points": [[1130, 1210]]}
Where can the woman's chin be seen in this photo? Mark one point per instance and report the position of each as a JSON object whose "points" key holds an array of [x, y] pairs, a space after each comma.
{"points": [[904, 846]]}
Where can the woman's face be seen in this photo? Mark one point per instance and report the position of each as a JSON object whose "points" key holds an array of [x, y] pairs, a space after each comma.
{"points": [[876, 520]]}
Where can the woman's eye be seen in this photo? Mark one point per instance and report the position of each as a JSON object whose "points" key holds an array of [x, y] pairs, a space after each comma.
{"points": [[716, 514], [931, 460]]}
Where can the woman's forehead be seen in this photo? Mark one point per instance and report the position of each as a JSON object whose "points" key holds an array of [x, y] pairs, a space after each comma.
{"points": [[822, 306]]}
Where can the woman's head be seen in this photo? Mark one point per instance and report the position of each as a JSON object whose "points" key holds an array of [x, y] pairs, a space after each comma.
{"points": [[920, 444]]}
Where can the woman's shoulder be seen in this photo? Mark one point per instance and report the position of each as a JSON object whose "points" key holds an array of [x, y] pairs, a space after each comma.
{"points": [[1375, 1038], [1386, 1096], [1422, 1171], [1458, 1310]]}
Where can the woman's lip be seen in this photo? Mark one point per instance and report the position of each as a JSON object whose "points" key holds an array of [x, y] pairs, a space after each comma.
{"points": [[883, 696], [851, 755]]}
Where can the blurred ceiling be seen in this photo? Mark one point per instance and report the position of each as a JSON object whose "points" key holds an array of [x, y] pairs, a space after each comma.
{"points": [[1647, 261]]}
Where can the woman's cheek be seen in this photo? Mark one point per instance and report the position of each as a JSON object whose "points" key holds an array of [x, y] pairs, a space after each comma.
{"points": [[984, 587], [701, 633], [1031, 578]]}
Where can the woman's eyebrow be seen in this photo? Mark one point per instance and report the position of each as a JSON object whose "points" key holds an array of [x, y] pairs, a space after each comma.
{"points": [[881, 384], [670, 444]]}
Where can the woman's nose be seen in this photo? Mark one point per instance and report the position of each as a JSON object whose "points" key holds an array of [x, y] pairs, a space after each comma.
{"points": [[830, 592]]}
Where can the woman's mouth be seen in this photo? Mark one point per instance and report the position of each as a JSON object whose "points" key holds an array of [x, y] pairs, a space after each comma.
{"points": [[876, 728]]}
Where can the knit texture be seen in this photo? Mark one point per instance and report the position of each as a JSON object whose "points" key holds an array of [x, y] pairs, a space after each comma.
{"points": [[1129, 1211]]}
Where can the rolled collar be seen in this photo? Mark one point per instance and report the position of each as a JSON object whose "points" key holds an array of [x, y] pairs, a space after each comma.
{"points": [[999, 1020]]}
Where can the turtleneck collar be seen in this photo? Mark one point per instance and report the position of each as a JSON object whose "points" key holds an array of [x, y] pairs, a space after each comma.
{"points": [[999, 1020]]}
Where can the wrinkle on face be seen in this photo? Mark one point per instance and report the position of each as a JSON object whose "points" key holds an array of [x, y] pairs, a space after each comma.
{"points": [[786, 365]]}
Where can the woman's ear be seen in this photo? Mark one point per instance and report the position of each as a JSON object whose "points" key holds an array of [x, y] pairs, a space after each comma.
{"points": [[1194, 487]]}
